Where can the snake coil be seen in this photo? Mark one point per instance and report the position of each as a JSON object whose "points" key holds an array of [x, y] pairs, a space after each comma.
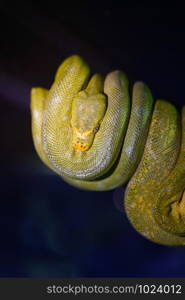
{"points": [[90, 133]]}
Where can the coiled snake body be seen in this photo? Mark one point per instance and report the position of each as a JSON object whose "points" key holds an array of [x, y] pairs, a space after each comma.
{"points": [[91, 134]]}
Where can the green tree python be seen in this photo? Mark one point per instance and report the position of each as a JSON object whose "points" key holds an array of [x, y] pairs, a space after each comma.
{"points": [[87, 130]]}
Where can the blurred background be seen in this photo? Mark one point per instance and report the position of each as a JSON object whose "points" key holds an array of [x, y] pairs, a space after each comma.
{"points": [[48, 228]]}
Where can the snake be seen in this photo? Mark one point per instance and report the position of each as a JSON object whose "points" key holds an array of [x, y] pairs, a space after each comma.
{"points": [[98, 133]]}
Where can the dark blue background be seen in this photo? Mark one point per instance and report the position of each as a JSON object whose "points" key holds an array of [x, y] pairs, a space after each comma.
{"points": [[48, 228]]}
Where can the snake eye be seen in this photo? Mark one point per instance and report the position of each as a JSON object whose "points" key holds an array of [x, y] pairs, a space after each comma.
{"points": [[96, 128]]}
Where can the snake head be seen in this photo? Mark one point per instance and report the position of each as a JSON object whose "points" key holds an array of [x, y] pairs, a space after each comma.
{"points": [[88, 109]]}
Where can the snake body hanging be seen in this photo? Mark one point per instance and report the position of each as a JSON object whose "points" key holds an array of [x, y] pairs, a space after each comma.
{"points": [[90, 133]]}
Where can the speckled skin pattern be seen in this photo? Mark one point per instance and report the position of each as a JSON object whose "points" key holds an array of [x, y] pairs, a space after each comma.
{"points": [[89, 132]]}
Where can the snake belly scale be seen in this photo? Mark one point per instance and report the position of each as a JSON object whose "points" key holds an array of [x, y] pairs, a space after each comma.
{"points": [[89, 130]]}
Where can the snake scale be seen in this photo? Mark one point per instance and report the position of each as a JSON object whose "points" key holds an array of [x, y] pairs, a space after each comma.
{"points": [[87, 130]]}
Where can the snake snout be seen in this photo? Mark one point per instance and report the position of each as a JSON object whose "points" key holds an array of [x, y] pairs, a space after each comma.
{"points": [[82, 140], [80, 146]]}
